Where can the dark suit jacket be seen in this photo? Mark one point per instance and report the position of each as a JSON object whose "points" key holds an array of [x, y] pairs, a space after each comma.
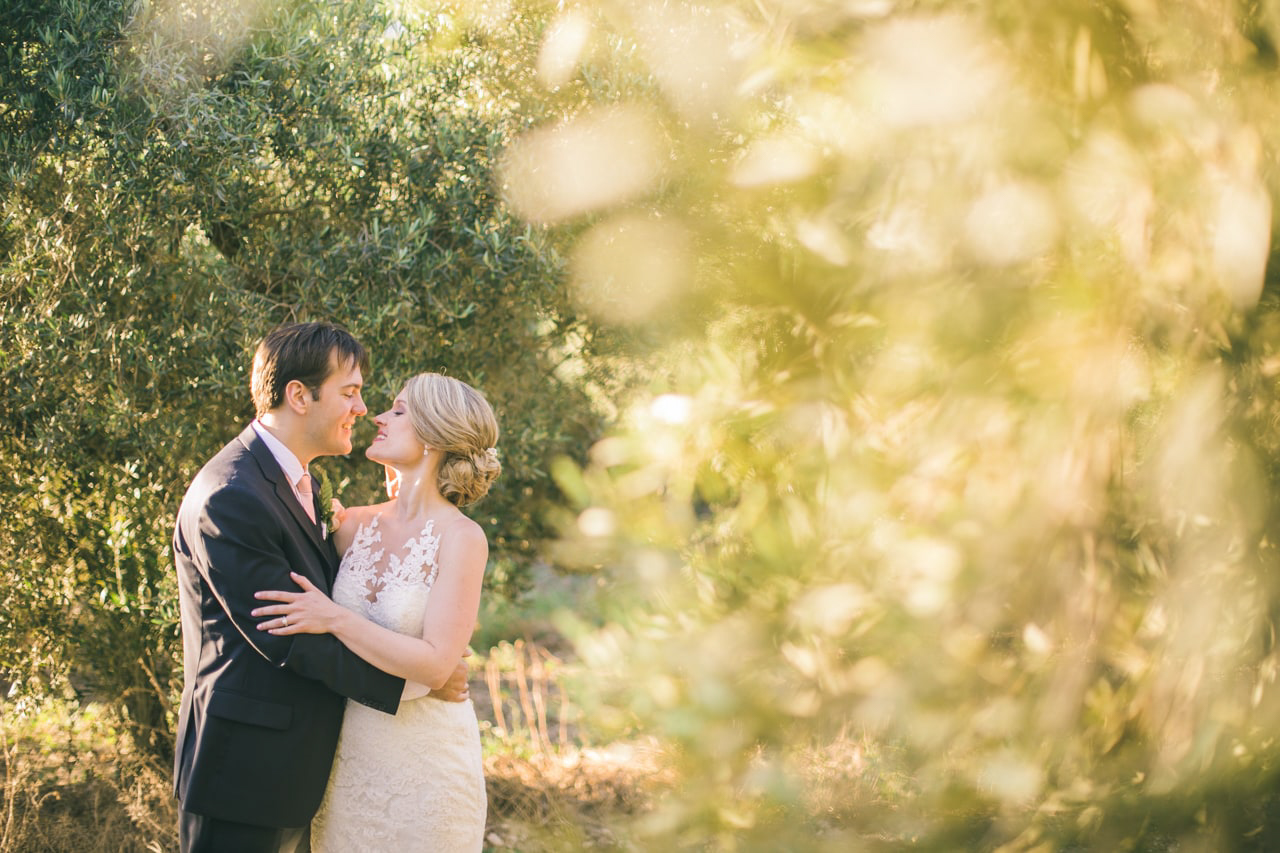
{"points": [[260, 714]]}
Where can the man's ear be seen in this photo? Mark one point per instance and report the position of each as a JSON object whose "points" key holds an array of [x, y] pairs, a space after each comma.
{"points": [[297, 397]]}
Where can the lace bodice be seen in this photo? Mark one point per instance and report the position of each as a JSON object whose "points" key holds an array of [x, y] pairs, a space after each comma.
{"points": [[388, 588]]}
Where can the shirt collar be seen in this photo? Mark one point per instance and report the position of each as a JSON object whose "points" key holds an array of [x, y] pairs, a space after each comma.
{"points": [[289, 463]]}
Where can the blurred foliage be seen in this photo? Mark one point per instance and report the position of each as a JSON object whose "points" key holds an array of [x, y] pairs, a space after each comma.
{"points": [[945, 516], [177, 179], [962, 435]]}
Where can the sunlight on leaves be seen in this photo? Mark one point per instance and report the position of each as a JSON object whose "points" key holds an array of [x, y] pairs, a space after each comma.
{"points": [[1242, 240], [969, 312], [1010, 224], [562, 48], [628, 268], [931, 71], [593, 161]]}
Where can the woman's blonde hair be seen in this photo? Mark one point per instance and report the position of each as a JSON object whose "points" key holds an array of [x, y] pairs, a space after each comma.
{"points": [[456, 419]]}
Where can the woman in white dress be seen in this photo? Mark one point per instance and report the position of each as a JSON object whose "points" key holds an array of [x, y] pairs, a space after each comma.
{"points": [[406, 599]]}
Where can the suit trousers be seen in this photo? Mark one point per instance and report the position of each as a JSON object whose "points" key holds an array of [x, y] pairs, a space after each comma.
{"points": [[200, 834]]}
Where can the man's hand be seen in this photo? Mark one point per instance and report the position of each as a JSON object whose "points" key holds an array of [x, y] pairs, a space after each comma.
{"points": [[455, 689]]}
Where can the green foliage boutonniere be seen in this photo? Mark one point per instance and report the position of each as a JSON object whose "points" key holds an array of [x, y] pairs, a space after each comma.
{"points": [[327, 501]]}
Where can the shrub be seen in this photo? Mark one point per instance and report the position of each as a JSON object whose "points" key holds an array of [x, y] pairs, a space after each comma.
{"points": [[176, 185]]}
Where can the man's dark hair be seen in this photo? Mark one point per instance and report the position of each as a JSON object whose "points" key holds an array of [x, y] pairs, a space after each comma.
{"points": [[307, 352]]}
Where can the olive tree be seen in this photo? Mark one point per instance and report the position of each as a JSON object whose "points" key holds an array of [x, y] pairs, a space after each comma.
{"points": [[181, 177]]}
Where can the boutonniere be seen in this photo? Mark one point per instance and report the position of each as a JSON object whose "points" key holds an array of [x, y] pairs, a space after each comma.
{"points": [[329, 522]]}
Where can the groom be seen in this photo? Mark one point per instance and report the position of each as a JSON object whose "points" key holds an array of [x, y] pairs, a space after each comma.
{"points": [[260, 714]]}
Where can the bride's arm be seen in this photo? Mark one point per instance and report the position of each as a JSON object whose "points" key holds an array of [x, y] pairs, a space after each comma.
{"points": [[447, 625], [456, 689]]}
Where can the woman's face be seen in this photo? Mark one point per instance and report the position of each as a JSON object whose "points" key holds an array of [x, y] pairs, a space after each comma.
{"points": [[396, 443]]}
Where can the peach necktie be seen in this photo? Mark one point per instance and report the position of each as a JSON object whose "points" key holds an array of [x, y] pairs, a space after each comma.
{"points": [[308, 503]]}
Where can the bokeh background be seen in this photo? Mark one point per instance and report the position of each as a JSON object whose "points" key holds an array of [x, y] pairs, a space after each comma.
{"points": [[888, 393]]}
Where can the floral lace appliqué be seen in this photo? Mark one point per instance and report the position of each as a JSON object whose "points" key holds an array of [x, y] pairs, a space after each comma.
{"points": [[390, 588]]}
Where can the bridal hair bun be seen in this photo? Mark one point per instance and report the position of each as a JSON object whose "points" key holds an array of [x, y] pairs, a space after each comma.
{"points": [[457, 420]]}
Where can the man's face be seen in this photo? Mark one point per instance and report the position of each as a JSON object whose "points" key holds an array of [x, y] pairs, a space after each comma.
{"points": [[331, 416]]}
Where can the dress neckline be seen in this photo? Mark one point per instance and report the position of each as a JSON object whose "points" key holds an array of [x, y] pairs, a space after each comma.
{"points": [[413, 560], [428, 529]]}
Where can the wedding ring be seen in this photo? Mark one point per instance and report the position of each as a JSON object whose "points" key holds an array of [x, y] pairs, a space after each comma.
{"points": [[286, 620]]}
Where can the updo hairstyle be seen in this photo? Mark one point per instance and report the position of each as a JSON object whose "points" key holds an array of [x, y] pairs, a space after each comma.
{"points": [[456, 419]]}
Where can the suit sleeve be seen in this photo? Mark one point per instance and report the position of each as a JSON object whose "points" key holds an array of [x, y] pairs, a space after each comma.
{"points": [[241, 556]]}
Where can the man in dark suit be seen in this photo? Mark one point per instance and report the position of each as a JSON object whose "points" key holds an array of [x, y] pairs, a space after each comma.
{"points": [[260, 714]]}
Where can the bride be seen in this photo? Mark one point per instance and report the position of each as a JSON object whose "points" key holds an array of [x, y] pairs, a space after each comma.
{"points": [[406, 599]]}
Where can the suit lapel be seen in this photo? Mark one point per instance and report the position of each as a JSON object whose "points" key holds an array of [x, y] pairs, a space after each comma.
{"points": [[284, 493]]}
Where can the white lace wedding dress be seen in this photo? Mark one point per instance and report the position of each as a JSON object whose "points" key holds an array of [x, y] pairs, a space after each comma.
{"points": [[413, 781]]}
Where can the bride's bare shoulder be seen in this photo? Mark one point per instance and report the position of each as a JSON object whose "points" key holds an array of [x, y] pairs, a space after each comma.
{"points": [[462, 533]]}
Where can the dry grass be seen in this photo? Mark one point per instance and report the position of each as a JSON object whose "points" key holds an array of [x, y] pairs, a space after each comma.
{"points": [[72, 783], [549, 788], [69, 786], [569, 801]]}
